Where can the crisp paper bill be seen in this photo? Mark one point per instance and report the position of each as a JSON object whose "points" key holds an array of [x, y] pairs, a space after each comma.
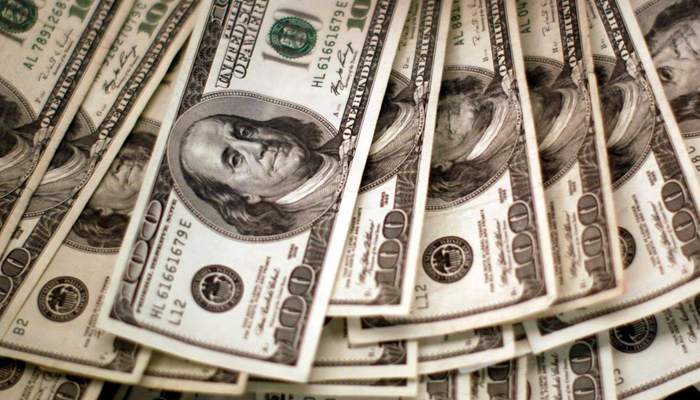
{"points": [[573, 156], [485, 238], [113, 391], [378, 268], [70, 293], [657, 355], [449, 385], [465, 350], [135, 64], [522, 346], [337, 359], [655, 189], [669, 28], [580, 368], [342, 388], [166, 372], [244, 215], [51, 52], [506, 380], [26, 381]]}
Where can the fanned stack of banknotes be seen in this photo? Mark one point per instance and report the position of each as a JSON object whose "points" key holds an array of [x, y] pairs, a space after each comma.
{"points": [[343, 199]]}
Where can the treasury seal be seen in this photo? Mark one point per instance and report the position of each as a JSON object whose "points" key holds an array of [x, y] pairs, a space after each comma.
{"points": [[448, 259], [217, 288], [17, 16], [634, 337], [292, 37], [11, 372], [629, 248], [63, 299]]}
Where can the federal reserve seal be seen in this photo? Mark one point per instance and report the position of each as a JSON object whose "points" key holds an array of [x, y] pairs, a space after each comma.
{"points": [[17, 16], [634, 337], [629, 248], [63, 299], [11, 372], [447, 259], [217, 288], [292, 37]]}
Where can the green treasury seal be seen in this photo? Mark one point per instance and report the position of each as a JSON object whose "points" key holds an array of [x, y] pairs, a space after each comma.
{"points": [[17, 16], [291, 37]]}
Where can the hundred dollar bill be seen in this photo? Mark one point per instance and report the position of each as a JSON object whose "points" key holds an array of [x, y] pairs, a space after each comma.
{"points": [[485, 248], [378, 268], [337, 359], [465, 350], [51, 52], [504, 381], [243, 217], [167, 372], [654, 188], [669, 28], [114, 391], [522, 347], [20, 380], [67, 297], [449, 385], [580, 369], [446, 385], [659, 354], [388, 387], [573, 156], [92, 244]]}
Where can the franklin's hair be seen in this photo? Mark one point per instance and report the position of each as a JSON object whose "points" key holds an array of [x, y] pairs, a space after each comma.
{"points": [[107, 231], [262, 218], [540, 83], [685, 107], [463, 177], [9, 118]]}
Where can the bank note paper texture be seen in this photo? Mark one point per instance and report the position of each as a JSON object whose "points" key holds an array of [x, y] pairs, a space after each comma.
{"points": [[51, 52], [378, 268], [657, 355], [249, 196], [485, 251], [654, 187], [573, 156], [580, 368], [64, 292]]}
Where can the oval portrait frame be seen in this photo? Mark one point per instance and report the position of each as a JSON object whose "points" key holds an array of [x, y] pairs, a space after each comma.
{"points": [[401, 83], [25, 111], [243, 104], [485, 76], [555, 68], [143, 125]]}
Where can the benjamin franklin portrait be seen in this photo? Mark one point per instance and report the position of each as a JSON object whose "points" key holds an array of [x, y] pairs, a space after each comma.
{"points": [[672, 33], [628, 117], [16, 145], [104, 220], [475, 132], [395, 134], [67, 168], [561, 115], [263, 176]]}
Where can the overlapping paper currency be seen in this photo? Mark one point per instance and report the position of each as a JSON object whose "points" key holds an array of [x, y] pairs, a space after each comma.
{"points": [[277, 199]]}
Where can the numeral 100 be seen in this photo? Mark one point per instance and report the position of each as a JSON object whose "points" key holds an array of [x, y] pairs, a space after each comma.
{"points": [[359, 11], [80, 9], [153, 17]]}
